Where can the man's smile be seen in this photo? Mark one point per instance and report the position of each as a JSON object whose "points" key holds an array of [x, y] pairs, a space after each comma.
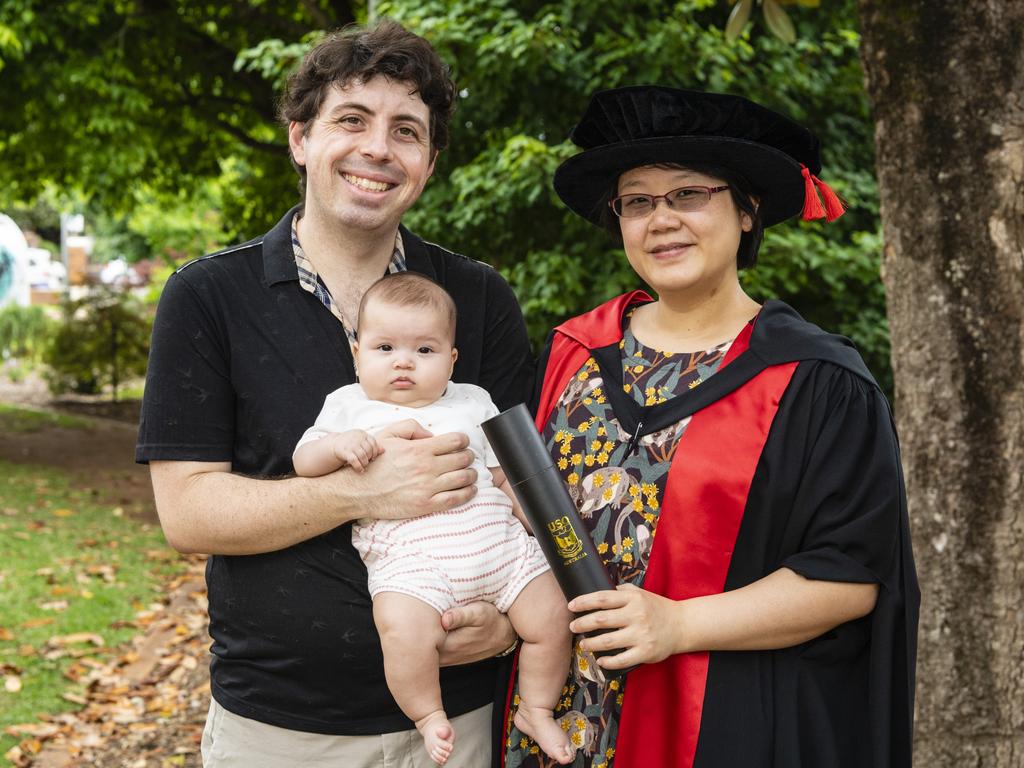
{"points": [[368, 184]]}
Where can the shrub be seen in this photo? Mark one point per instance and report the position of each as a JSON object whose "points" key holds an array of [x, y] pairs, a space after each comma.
{"points": [[102, 340], [24, 333]]}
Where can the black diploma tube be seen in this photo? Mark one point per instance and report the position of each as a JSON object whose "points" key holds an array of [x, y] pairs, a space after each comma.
{"points": [[546, 503]]}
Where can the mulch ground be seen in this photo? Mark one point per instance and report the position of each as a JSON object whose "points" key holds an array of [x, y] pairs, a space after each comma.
{"points": [[144, 708]]}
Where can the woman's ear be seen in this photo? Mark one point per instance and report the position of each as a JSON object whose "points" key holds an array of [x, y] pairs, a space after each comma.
{"points": [[746, 220]]}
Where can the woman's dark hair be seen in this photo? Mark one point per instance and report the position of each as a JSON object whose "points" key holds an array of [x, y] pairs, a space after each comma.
{"points": [[743, 197], [384, 48]]}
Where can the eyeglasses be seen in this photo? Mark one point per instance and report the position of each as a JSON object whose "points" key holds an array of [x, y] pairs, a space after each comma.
{"points": [[683, 199]]}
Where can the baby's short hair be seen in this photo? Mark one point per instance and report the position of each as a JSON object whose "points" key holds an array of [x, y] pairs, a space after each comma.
{"points": [[410, 289]]}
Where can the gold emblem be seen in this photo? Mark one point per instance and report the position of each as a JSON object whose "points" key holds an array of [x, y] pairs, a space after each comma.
{"points": [[570, 548]]}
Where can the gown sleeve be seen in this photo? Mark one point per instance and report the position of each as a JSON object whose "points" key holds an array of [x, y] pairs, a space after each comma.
{"points": [[850, 496]]}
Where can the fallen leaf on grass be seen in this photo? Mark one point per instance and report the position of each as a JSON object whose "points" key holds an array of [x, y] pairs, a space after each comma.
{"points": [[12, 683], [74, 698], [17, 757], [26, 650], [38, 730], [75, 672], [75, 638], [6, 634], [60, 589], [62, 512], [40, 622], [105, 572], [54, 605]]}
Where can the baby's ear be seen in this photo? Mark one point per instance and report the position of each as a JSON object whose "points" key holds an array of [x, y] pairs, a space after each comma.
{"points": [[455, 356]]}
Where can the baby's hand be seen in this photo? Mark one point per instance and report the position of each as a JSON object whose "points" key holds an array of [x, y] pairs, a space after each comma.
{"points": [[356, 448]]}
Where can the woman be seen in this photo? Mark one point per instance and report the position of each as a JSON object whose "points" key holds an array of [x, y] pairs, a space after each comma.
{"points": [[736, 466]]}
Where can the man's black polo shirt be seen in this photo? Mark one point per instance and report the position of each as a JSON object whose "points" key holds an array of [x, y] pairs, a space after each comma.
{"points": [[241, 361]]}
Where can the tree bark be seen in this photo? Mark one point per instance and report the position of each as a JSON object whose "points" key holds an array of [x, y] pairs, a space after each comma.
{"points": [[946, 82]]}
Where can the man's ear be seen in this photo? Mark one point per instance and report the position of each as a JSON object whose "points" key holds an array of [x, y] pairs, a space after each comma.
{"points": [[296, 143]]}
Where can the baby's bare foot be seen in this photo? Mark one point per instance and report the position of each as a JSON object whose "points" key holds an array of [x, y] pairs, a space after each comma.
{"points": [[438, 736], [539, 724]]}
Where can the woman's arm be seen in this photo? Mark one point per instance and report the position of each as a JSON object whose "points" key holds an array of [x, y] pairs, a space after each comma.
{"points": [[781, 610]]}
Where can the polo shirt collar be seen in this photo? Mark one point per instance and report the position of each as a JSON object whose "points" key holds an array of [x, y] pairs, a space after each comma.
{"points": [[278, 258]]}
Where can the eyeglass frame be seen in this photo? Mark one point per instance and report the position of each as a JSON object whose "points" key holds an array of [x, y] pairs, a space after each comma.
{"points": [[709, 191]]}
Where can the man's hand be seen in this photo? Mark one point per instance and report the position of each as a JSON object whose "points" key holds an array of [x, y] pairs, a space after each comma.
{"points": [[415, 474], [476, 631]]}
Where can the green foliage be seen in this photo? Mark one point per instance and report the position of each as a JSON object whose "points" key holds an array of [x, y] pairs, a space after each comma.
{"points": [[24, 333], [103, 340], [172, 122], [526, 70], [110, 96]]}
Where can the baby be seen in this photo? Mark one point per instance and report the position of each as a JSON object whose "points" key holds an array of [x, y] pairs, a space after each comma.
{"points": [[420, 567]]}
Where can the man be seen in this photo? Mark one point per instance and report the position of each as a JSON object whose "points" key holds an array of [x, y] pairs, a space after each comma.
{"points": [[246, 344]]}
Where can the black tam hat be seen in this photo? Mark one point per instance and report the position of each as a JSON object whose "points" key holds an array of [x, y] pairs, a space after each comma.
{"points": [[627, 128]]}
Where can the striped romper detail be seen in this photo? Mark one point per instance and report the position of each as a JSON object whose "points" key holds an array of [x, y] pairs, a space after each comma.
{"points": [[476, 551]]}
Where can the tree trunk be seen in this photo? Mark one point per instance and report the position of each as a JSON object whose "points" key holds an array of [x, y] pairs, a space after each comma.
{"points": [[946, 82]]}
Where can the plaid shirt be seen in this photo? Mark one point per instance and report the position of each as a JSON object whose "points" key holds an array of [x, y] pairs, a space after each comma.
{"points": [[310, 280]]}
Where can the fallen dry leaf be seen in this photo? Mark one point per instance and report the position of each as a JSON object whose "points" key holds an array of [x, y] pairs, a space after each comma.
{"points": [[6, 634], [17, 757], [77, 637], [62, 512], [54, 605], [38, 730], [12, 683], [39, 622]]}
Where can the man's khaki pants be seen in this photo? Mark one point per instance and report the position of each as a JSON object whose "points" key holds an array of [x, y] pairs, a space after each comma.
{"points": [[232, 741]]}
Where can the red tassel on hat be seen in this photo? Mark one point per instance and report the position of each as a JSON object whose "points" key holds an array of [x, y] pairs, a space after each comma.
{"points": [[834, 205], [812, 204]]}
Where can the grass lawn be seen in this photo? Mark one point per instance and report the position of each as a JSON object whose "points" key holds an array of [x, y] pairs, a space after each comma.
{"points": [[67, 565], [21, 419]]}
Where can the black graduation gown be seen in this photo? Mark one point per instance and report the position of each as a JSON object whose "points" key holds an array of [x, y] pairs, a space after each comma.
{"points": [[825, 498]]}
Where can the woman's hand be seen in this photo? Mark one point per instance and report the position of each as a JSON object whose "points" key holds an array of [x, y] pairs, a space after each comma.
{"points": [[647, 627]]}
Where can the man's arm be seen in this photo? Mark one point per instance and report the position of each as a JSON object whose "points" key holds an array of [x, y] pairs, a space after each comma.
{"points": [[203, 507]]}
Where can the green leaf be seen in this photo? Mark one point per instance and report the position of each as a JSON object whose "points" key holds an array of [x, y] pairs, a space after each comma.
{"points": [[778, 22], [738, 19]]}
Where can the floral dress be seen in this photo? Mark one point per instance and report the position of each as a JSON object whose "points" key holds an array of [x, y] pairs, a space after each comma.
{"points": [[618, 493]]}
